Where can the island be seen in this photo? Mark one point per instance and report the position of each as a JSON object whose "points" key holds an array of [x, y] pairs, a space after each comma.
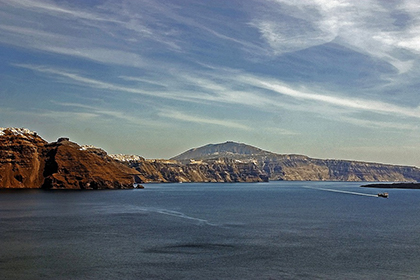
{"points": [[393, 186]]}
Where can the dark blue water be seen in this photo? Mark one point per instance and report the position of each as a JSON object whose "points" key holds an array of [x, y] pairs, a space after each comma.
{"points": [[276, 230]]}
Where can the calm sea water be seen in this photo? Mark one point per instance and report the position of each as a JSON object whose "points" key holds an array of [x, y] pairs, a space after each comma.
{"points": [[276, 230]]}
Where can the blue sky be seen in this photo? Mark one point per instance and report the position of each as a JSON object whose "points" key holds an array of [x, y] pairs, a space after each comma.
{"points": [[324, 78]]}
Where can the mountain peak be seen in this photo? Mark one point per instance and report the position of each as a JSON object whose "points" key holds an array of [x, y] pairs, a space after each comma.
{"points": [[228, 149]]}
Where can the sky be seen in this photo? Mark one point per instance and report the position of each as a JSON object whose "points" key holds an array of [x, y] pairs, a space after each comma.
{"points": [[324, 78]]}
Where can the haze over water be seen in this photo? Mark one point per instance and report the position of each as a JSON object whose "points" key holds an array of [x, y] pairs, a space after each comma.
{"points": [[276, 230]]}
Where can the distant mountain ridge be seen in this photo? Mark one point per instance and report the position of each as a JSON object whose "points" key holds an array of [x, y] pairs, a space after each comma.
{"points": [[238, 162], [298, 167], [227, 149]]}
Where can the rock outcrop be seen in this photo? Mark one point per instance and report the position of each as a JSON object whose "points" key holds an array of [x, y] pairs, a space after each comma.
{"points": [[28, 161], [22, 159]]}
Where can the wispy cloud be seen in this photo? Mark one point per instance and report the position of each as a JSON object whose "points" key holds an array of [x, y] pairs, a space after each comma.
{"points": [[389, 126], [290, 26], [56, 10], [345, 102], [67, 45], [256, 93], [201, 119], [143, 80], [78, 79], [101, 113]]}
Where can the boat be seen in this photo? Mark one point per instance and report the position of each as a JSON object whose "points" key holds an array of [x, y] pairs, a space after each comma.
{"points": [[384, 195]]}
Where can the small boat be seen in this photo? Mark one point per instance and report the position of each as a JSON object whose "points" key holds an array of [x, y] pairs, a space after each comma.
{"points": [[384, 195]]}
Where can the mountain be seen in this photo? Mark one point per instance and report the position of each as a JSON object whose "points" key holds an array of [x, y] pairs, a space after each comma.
{"points": [[298, 167], [229, 149], [28, 161], [238, 162]]}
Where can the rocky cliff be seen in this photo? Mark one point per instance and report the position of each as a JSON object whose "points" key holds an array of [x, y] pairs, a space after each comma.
{"points": [[221, 170], [28, 161], [237, 162], [22, 158]]}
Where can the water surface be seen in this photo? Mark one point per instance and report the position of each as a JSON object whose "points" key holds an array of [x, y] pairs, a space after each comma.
{"points": [[276, 230]]}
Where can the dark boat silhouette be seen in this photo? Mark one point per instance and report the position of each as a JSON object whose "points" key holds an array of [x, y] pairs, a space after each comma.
{"points": [[384, 195]]}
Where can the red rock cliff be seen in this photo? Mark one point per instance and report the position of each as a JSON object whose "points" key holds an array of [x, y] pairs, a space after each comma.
{"points": [[21, 159], [28, 161]]}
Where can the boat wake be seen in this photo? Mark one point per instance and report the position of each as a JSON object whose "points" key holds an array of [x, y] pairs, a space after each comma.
{"points": [[181, 215], [172, 213], [340, 191]]}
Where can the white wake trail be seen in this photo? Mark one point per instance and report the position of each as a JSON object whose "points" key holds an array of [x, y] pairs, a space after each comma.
{"points": [[175, 214], [347, 192]]}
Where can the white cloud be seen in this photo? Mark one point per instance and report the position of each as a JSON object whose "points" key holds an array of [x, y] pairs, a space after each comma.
{"points": [[53, 9], [67, 45], [345, 102], [366, 26], [143, 80], [253, 94], [389, 126], [100, 113], [202, 120]]}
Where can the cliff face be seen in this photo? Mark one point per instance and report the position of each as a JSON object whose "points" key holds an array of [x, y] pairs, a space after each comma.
{"points": [[21, 159], [28, 161], [223, 170], [236, 162], [282, 168], [304, 168]]}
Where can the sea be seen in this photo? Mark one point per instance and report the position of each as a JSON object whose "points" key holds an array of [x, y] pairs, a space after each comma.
{"points": [[275, 230]]}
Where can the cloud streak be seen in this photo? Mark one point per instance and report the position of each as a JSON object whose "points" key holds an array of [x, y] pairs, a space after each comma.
{"points": [[305, 24], [202, 120], [350, 103], [219, 92]]}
